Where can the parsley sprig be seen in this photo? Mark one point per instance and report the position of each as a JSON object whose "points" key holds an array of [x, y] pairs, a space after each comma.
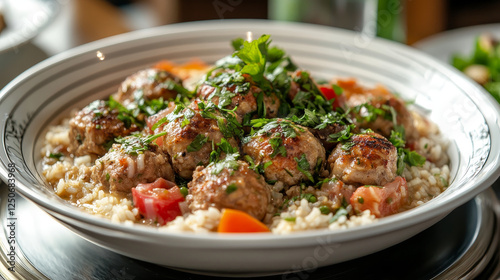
{"points": [[226, 119], [124, 114], [136, 143], [405, 156]]}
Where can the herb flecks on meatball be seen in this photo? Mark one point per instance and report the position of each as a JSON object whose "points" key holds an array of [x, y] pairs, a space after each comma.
{"points": [[93, 129], [193, 133], [135, 159], [148, 84], [236, 91], [229, 184], [285, 151]]}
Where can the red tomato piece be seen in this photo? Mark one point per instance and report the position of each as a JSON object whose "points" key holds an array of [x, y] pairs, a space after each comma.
{"points": [[381, 201], [329, 93], [158, 201]]}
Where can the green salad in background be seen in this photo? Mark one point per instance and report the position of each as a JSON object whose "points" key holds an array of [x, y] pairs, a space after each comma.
{"points": [[483, 65]]}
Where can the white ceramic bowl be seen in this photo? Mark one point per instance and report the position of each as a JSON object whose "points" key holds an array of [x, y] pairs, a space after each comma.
{"points": [[467, 116]]}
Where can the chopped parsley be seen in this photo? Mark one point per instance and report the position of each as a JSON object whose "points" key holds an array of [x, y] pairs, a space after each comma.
{"points": [[224, 147], [230, 162], [231, 188], [136, 143], [197, 143], [304, 167], [226, 119], [340, 212], [278, 148], [124, 114], [56, 156], [368, 113], [405, 156]]}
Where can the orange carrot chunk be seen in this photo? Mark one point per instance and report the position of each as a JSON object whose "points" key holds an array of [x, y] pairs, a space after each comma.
{"points": [[238, 221]]}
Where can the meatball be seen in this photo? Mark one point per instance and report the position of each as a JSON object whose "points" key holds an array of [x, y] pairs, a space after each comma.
{"points": [[121, 170], [366, 159], [190, 144], [287, 151], [153, 84], [240, 188], [96, 125], [231, 90], [378, 98]]}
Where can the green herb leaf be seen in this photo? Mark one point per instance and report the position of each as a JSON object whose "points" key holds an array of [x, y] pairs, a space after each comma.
{"points": [[231, 188], [304, 167], [197, 143], [136, 143], [340, 212], [230, 162], [56, 156]]}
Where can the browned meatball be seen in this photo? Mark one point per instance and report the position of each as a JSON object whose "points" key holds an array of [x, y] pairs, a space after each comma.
{"points": [[288, 152], [229, 90], [121, 170], [382, 100], [180, 142], [92, 128], [152, 82], [366, 159], [239, 188]]}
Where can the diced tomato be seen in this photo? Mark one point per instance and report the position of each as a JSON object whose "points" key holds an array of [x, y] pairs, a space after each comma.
{"points": [[329, 93], [158, 201], [411, 145], [381, 201]]}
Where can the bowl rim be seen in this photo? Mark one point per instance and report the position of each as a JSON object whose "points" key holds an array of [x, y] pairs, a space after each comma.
{"points": [[490, 170]]}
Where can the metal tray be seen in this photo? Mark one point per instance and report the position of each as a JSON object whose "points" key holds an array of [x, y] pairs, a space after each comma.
{"points": [[463, 245]]}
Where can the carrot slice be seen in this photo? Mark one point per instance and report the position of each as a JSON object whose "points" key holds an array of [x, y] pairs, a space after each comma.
{"points": [[238, 221]]}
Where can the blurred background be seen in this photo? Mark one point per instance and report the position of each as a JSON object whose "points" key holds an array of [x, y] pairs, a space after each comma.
{"points": [[58, 25], [407, 21]]}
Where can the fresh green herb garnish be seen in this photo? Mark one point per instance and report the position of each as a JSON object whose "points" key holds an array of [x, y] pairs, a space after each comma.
{"points": [[340, 212], [405, 156], [304, 167], [278, 148], [124, 114], [230, 162], [56, 156], [231, 188], [197, 143], [136, 144]]}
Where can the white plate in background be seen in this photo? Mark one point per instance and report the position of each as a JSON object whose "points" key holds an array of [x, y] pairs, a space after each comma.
{"points": [[456, 41], [25, 19]]}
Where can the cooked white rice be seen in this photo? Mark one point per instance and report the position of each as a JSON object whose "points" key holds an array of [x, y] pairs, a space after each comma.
{"points": [[70, 178]]}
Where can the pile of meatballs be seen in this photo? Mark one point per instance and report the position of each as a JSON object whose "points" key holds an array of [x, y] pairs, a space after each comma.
{"points": [[278, 151]]}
